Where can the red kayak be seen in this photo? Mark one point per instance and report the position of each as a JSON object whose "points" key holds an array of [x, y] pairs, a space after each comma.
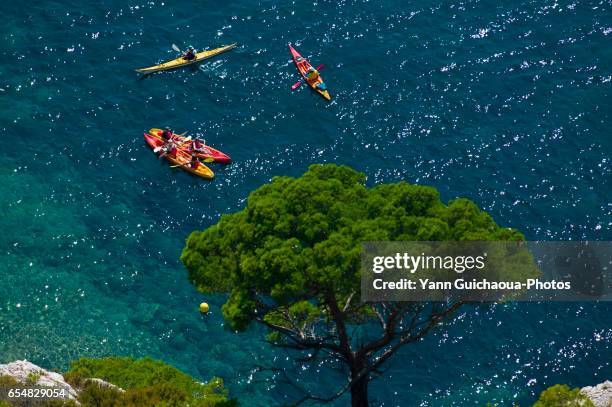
{"points": [[182, 158], [303, 65], [204, 152]]}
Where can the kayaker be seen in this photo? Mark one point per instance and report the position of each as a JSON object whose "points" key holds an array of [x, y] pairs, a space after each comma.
{"points": [[190, 54], [194, 163], [198, 145], [170, 149], [167, 134], [312, 74]]}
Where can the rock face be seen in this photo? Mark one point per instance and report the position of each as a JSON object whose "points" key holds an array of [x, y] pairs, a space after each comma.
{"points": [[103, 384], [600, 395], [25, 372]]}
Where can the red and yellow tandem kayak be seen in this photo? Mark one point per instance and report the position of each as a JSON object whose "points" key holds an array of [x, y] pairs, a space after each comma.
{"points": [[205, 153], [180, 62], [303, 65], [182, 158]]}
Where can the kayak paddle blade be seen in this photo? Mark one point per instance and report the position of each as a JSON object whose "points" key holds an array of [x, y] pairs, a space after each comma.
{"points": [[296, 85]]}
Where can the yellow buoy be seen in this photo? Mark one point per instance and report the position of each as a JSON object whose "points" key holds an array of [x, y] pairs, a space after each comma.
{"points": [[204, 308]]}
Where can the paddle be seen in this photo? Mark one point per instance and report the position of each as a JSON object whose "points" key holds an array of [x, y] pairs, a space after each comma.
{"points": [[184, 142], [157, 149], [180, 145], [298, 83], [206, 160], [157, 132], [183, 53]]}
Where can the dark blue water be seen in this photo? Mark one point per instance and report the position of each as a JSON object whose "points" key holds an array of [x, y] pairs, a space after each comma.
{"points": [[506, 103]]}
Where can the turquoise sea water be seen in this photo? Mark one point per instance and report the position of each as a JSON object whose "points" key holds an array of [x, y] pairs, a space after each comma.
{"points": [[506, 103]]}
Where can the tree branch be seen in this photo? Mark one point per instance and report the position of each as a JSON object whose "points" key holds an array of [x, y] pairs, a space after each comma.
{"points": [[434, 320], [339, 318]]}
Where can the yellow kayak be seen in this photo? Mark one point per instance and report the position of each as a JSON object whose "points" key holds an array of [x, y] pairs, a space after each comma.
{"points": [[180, 62]]}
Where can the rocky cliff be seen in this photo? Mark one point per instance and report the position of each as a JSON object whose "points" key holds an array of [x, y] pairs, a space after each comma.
{"points": [[600, 395], [29, 374]]}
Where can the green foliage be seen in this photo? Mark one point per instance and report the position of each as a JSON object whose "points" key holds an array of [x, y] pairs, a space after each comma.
{"points": [[560, 395], [56, 403], [147, 383], [32, 379], [41, 403], [298, 241], [7, 381], [95, 395]]}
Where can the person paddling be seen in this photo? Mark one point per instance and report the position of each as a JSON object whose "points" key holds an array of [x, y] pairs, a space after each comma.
{"points": [[312, 74], [167, 134], [170, 149], [190, 54], [199, 146], [194, 163]]}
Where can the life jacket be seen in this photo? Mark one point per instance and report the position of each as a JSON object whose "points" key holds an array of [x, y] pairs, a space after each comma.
{"points": [[166, 134], [171, 150]]}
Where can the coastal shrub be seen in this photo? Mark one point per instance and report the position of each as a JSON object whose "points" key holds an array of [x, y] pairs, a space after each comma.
{"points": [[7, 381], [32, 379], [146, 382], [560, 395], [41, 403], [93, 394]]}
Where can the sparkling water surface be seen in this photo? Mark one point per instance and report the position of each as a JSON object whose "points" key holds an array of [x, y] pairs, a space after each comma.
{"points": [[506, 103]]}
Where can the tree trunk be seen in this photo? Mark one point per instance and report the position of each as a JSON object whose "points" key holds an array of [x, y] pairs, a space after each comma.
{"points": [[359, 392]]}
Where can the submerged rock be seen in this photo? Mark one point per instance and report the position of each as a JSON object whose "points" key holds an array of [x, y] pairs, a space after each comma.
{"points": [[600, 395], [28, 373]]}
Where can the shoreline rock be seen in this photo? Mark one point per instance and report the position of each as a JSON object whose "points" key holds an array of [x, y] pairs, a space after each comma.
{"points": [[24, 372], [600, 395], [103, 384]]}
